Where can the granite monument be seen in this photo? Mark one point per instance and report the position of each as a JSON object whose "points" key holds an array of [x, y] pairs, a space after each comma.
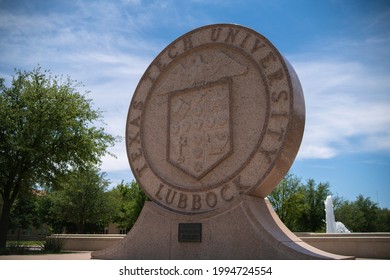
{"points": [[214, 124]]}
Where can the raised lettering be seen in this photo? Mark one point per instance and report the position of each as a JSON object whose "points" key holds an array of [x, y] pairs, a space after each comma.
{"points": [[138, 105], [135, 156], [171, 52], [268, 154], [214, 34], [182, 201], [169, 200], [276, 96], [231, 35], [196, 205], [141, 170], [211, 199], [242, 45], [134, 139], [136, 121], [270, 57], [160, 65], [277, 75], [224, 195], [159, 190], [257, 46], [237, 182], [150, 77], [278, 133], [187, 42]]}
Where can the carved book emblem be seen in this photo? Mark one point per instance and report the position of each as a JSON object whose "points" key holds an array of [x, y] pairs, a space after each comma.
{"points": [[199, 124]]}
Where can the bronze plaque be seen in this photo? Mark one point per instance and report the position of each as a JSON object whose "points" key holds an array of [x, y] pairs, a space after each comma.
{"points": [[190, 232]]}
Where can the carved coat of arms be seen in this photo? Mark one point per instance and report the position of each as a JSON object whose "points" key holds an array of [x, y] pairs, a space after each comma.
{"points": [[199, 136]]}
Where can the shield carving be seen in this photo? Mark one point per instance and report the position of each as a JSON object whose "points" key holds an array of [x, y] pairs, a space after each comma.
{"points": [[199, 127]]}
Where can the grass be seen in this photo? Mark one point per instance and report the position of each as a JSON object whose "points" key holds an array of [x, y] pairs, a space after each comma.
{"points": [[25, 243], [50, 246]]}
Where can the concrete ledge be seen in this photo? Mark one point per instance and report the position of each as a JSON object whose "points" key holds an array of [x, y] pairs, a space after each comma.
{"points": [[87, 242], [361, 245], [374, 245]]}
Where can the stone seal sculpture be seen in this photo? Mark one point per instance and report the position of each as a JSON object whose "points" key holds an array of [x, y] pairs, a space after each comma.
{"points": [[219, 113], [214, 124]]}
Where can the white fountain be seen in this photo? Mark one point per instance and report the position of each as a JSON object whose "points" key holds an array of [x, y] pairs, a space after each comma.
{"points": [[331, 225]]}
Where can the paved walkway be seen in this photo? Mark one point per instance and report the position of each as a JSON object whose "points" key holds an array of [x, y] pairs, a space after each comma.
{"points": [[67, 256]]}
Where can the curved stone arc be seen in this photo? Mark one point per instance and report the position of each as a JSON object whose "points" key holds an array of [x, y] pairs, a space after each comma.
{"points": [[293, 139]]}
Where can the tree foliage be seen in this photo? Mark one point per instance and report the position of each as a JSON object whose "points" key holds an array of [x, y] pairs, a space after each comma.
{"points": [[286, 200], [78, 201], [24, 214], [312, 218], [130, 200], [363, 215], [46, 130], [301, 207]]}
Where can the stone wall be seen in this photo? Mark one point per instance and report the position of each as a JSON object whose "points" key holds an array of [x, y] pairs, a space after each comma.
{"points": [[87, 242], [360, 245]]}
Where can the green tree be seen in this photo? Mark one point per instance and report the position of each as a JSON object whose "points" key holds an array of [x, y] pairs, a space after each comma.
{"points": [[46, 215], [47, 128], [286, 200], [80, 200], [361, 215], [383, 219], [300, 206], [130, 201], [313, 214], [24, 214]]}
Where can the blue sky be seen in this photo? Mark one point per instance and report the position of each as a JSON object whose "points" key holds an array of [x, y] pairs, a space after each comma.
{"points": [[340, 50]]}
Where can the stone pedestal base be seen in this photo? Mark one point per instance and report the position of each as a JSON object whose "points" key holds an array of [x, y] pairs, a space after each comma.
{"points": [[249, 230]]}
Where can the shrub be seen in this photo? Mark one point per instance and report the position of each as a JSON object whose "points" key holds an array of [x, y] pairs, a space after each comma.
{"points": [[53, 244]]}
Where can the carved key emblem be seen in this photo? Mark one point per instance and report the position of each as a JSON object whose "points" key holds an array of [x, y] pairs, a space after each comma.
{"points": [[199, 124]]}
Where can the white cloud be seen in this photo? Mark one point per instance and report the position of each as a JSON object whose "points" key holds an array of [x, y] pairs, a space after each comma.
{"points": [[347, 108], [110, 163]]}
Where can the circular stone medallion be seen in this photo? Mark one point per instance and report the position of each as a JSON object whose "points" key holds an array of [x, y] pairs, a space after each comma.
{"points": [[217, 114]]}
